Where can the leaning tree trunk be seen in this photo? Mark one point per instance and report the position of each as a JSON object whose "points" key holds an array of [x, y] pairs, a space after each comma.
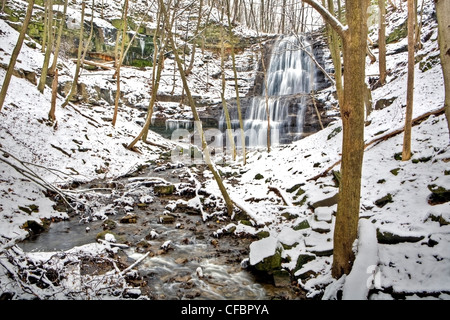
{"points": [[208, 160], [15, 53], [443, 17]]}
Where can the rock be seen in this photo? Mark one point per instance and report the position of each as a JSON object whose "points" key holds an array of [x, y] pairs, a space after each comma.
{"points": [[166, 219], [109, 224], [323, 214], [320, 226], [281, 278], [380, 203], [259, 176], [129, 218], [34, 226], [387, 237], [302, 225], [302, 260], [164, 189], [265, 254]]}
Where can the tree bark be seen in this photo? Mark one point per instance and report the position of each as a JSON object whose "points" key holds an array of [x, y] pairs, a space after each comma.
{"points": [[217, 177], [52, 69], [73, 88], [236, 87], [15, 53], [49, 49], [443, 17], [382, 41], [406, 153], [119, 62], [354, 48], [51, 114]]}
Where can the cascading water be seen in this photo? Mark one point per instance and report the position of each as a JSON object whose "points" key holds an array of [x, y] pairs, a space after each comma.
{"points": [[289, 76]]}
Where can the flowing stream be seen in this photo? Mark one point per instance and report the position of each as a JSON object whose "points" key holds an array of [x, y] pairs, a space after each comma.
{"points": [[186, 258]]}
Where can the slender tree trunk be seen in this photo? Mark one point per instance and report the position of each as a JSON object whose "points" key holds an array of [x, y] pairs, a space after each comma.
{"points": [[48, 51], [51, 114], [354, 47], [335, 50], [52, 69], [73, 88], [119, 63], [406, 154], [443, 17], [15, 53], [229, 129], [217, 177], [157, 70], [382, 41], [236, 87]]}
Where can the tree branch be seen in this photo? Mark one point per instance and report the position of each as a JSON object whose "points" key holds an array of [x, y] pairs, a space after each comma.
{"points": [[329, 18]]}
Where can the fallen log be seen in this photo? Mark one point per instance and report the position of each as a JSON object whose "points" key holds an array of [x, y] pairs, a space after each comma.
{"points": [[374, 142]]}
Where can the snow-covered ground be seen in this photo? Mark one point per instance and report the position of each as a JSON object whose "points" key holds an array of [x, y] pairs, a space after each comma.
{"points": [[84, 146]]}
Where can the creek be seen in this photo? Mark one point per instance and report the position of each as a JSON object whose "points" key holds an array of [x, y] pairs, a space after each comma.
{"points": [[186, 259]]}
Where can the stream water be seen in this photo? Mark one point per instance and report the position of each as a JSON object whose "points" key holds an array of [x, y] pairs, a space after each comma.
{"points": [[186, 259]]}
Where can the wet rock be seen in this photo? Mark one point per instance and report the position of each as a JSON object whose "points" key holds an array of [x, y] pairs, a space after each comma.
{"points": [[265, 254], [181, 260], [109, 224], [164, 189], [166, 219], [34, 226], [281, 278], [129, 218]]}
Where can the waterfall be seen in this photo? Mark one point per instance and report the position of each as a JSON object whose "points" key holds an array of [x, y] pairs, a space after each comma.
{"points": [[142, 43], [289, 76]]}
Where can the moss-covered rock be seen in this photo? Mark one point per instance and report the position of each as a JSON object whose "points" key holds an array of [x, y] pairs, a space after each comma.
{"points": [[302, 260], [384, 201], [164, 189], [302, 225], [387, 237]]}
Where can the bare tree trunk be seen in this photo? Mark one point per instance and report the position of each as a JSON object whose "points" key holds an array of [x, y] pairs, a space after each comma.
{"points": [[442, 10], [354, 47], [119, 62], [382, 41], [229, 129], [51, 114], [15, 53], [335, 51], [157, 70], [406, 154], [217, 177], [48, 51], [52, 69], [236, 87], [73, 88]]}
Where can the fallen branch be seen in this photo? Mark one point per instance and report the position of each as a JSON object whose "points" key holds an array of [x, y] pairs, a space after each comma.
{"points": [[282, 195], [374, 142], [95, 64]]}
